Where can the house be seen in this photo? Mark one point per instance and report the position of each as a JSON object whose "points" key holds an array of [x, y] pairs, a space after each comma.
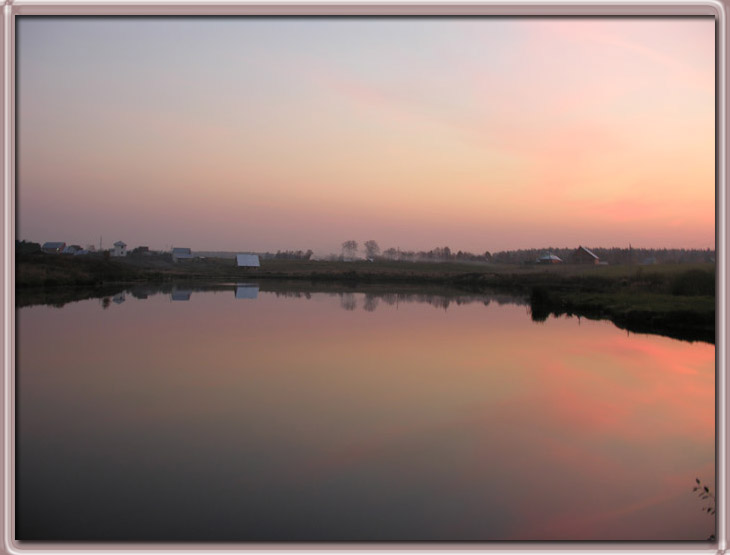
{"points": [[584, 256], [247, 261], [549, 258], [71, 249], [181, 253], [142, 251], [120, 249], [247, 291], [53, 247]]}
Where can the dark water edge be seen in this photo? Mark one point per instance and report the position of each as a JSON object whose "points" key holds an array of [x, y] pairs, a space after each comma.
{"points": [[684, 325], [680, 318]]}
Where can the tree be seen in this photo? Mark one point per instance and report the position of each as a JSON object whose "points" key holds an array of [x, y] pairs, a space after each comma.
{"points": [[349, 249], [27, 247], [372, 249]]}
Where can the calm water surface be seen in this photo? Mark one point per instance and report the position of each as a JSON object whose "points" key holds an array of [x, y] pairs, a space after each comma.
{"points": [[243, 415]]}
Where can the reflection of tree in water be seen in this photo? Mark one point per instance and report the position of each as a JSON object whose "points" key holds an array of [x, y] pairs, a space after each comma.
{"points": [[389, 298], [539, 304], [437, 301], [294, 294], [347, 301], [539, 313], [371, 302]]}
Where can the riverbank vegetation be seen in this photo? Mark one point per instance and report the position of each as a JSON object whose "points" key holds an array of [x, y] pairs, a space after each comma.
{"points": [[672, 299]]}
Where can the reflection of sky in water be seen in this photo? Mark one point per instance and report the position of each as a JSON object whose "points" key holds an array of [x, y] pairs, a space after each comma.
{"points": [[290, 418]]}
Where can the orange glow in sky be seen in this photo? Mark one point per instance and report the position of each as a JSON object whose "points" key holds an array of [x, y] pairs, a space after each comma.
{"points": [[266, 134]]}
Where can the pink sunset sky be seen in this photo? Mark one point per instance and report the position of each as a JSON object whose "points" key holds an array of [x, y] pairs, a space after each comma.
{"points": [[296, 133]]}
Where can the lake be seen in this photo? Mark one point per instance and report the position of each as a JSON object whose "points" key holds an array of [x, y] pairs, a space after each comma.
{"points": [[240, 414]]}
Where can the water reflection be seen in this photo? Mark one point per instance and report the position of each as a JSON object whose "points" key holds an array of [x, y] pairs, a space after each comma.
{"points": [[348, 300], [354, 416], [180, 294], [373, 298], [247, 291]]}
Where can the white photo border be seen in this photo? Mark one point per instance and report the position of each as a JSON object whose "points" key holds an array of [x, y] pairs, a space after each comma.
{"points": [[594, 8]]}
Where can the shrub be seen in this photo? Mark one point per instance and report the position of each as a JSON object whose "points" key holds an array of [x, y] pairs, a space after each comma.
{"points": [[694, 283]]}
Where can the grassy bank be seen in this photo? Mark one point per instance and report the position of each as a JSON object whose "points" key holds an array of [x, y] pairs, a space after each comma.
{"points": [[676, 299]]}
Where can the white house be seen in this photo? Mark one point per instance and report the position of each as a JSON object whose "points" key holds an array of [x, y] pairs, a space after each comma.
{"points": [[247, 260], [71, 249], [181, 253], [120, 249]]}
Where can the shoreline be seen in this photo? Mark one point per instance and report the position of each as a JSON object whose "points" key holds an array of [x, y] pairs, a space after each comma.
{"points": [[676, 301]]}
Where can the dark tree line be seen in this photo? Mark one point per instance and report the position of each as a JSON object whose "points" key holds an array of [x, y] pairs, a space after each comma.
{"points": [[612, 256], [290, 255]]}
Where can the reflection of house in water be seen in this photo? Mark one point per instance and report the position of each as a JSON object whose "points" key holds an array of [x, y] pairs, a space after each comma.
{"points": [[141, 293], [180, 294], [247, 291], [118, 298]]}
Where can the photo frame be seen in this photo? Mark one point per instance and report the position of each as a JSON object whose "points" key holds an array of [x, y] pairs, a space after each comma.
{"points": [[12, 11]]}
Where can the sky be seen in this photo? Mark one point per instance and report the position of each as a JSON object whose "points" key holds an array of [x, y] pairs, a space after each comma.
{"points": [[256, 134]]}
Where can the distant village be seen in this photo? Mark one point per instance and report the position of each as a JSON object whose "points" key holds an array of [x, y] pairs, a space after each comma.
{"points": [[120, 250], [350, 252]]}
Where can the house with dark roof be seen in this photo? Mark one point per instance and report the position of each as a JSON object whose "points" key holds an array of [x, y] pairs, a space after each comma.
{"points": [[53, 247], [181, 253], [549, 258], [584, 256]]}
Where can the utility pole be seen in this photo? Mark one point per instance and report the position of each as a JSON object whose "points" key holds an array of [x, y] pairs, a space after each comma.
{"points": [[99, 243]]}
